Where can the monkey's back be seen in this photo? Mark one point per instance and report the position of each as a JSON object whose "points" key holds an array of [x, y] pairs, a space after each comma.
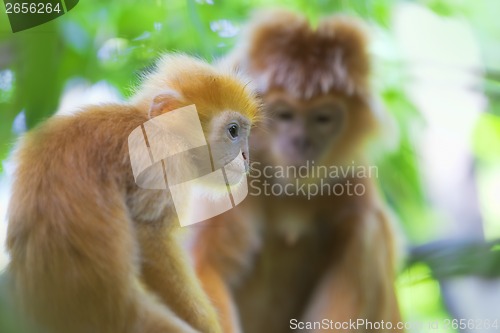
{"points": [[67, 209]]}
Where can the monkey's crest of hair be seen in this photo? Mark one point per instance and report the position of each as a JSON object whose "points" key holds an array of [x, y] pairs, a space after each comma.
{"points": [[280, 49], [192, 81]]}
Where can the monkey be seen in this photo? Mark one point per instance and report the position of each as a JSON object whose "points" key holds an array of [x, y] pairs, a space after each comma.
{"points": [[90, 250], [279, 261]]}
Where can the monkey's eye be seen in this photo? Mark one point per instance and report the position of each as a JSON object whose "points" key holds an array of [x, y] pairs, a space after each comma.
{"points": [[285, 115], [323, 119], [233, 131]]}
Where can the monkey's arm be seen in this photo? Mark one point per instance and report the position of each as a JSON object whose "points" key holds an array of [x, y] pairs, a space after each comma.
{"points": [[218, 290], [360, 282], [210, 246], [223, 248], [161, 256]]}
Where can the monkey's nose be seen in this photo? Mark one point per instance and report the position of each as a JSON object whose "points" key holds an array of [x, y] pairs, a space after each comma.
{"points": [[246, 162], [301, 144]]}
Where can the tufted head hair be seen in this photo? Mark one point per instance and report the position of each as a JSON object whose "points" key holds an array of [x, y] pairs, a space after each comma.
{"points": [[181, 80], [280, 49]]}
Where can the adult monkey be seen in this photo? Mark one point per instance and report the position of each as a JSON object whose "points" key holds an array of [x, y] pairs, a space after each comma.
{"points": [[279, 258]]}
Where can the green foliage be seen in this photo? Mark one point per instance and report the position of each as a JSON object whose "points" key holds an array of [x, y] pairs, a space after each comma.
{"points": [[10, 321], [420, 299], [459, 258], [487, 138]]}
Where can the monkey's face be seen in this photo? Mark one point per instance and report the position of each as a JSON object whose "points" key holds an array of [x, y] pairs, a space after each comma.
{"points": [[301, 131], [228, 140]]}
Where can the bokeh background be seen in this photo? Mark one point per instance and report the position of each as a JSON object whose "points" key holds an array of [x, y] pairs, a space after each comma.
{"points": [[436, 69]]}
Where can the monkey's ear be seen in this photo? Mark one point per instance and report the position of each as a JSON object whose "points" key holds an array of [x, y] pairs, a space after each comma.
{"points": [[166, 101]]}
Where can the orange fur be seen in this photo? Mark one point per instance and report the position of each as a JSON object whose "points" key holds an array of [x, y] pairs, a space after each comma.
{"points": [[90, 250], [211, 90], [285, 257]]}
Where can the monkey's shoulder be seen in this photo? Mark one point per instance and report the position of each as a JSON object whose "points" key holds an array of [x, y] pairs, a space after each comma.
{"points": [[87, 129], [92, 140]]}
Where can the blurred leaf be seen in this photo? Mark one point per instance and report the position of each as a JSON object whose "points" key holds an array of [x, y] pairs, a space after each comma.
{"points": [[419, 297], [458, 258], [399, 170], [38, 77], [486, 138]]}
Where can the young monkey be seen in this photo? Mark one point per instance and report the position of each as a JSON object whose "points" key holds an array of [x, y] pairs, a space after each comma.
{"points": [[281, 260], [90, 250]]}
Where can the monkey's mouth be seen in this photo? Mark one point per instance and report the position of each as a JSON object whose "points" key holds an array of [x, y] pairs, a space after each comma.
{"points": [[299, 158], [295, 153], [236, 169], [234, 176]]}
